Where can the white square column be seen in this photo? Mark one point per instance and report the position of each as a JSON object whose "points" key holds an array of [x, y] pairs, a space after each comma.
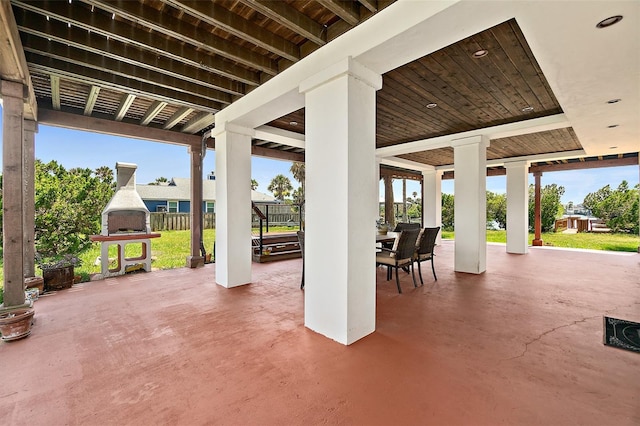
{"points": [[233, 204], [470, 191], [517, 207], [432, 200], [341, 201]]}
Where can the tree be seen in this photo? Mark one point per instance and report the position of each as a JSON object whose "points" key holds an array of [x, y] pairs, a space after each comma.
{"points": [[281, 187], [497, 209], [254, 184], [298, 172], [68, 208], [618, 208], [550, 206], [159, 181], [447, 212]]}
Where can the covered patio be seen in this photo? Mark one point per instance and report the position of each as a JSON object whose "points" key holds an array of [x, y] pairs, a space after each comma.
{"points": [[520, 344]]}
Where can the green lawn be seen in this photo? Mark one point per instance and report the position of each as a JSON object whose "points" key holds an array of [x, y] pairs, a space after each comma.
{"points": [[172, 249], [609, 242]]}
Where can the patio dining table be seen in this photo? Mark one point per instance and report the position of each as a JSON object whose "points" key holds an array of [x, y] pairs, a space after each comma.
{"points": [[389, 237]]}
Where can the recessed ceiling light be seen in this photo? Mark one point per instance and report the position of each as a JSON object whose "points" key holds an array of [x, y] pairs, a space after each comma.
{"points": [[611, 126], [527, 109], [480, 53], [432, 105], [609, 21], [613, 147], [293, 123], [613, 101]]}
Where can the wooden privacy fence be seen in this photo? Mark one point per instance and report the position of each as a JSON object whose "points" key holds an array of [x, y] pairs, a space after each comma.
{"points": [[179, 221]]}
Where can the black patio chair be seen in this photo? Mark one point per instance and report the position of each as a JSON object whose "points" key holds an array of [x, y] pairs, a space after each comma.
{"points": [[425, 248], [400, 256], [401, 226], [301, 244]]}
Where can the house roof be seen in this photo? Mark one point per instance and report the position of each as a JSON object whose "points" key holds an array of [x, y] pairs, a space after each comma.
{"points": [[179, 189]]}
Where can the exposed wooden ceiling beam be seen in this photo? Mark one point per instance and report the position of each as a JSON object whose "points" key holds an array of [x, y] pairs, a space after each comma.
{"points": [[125, 33], [198, 122], [177, 117], [37, 25], [55, 91], [593, 164], [346, 10], [13, 66], [107, 80], [109, 127], [88, 59], [125, 104], [289, 17], [180, 30], [261, 151], [91, 100], [371, 5], [153, 110], [218, 16]]}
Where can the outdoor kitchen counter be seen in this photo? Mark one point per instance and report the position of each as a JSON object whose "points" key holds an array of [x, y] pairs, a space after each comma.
{"points": [[121, 237]]}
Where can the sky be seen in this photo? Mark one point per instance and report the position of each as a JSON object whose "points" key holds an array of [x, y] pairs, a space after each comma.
{"points": [[73, 148]]}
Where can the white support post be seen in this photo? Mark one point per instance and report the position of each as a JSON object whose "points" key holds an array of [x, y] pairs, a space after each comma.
{"points": [[470, 187], [233, 204], [517, 207], [432, 200], [340, 281]]}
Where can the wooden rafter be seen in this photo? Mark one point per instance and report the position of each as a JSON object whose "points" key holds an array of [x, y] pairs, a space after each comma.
{"points": [[123, 32], [347, 11], [125, 104], [218, 16], [153, 110], [289, 17], [180, 30], [91, 100]]}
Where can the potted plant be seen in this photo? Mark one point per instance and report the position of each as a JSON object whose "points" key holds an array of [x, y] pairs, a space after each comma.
{"points": [[383, 227], [16, 324], [58, 272]]}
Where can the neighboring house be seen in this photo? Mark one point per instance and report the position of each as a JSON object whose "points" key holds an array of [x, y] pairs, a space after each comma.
{"points": [[174, 196]]}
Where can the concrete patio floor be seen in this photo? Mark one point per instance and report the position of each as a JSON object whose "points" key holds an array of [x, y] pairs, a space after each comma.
{"points": [[518, 345]]}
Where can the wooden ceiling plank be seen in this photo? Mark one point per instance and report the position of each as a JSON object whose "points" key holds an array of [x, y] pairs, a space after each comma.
{"points": [[199, 122], [38, 25], [218, 16], [537, 82], [125, 104], [151, 113], [55, 91], [114, 82], [180, 30], [289, 17], [177, 117], [123, 32], [347, 11], [91, 100], [103, 63]]}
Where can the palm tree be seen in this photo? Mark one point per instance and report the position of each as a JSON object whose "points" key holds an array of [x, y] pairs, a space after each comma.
{"points": [[281, 187], [254, 184], [298, 172]]}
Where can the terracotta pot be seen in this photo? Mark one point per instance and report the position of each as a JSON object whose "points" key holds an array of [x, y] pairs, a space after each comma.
{"points": [[16, 324]]}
